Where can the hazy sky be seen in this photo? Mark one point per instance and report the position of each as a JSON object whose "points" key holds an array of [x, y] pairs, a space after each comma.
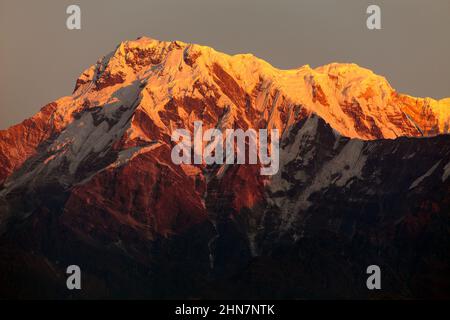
{"points": [[40, 59]]}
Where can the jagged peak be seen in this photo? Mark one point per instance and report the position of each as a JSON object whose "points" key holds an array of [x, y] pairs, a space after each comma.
{"points": [[156, 84], [147, 52], [337, 91], [351, 72], [342, 68]]}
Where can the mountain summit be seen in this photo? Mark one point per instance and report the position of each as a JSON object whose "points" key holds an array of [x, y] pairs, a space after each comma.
{"points": [[145, 88], [90, 179]]}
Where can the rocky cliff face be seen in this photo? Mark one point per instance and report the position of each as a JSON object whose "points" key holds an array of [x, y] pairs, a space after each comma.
{"points": [[89, 181], [337, 206]]}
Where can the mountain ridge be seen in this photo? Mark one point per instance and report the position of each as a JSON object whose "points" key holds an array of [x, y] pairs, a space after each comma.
{"points": [[90, 179], [355, 101]]}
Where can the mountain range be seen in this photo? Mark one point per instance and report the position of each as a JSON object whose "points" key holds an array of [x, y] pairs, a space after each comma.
{"points": [[363, 180]]}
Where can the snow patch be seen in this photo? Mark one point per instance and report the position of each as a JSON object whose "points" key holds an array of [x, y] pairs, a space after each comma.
{"points": [[446, 171], [421, 178], [347, 165]]}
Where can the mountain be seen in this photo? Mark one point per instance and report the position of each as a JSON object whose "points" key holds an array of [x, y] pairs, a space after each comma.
{"points": [[89, 180]]}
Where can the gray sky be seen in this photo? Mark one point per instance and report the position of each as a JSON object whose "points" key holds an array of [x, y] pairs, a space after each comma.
{"points": [[40, 59]]}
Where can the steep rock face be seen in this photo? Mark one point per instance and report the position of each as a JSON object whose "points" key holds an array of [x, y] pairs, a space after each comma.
{"points": [[150, 195], [337, 206], [20, 142], [431, 117], [90, 179]]}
